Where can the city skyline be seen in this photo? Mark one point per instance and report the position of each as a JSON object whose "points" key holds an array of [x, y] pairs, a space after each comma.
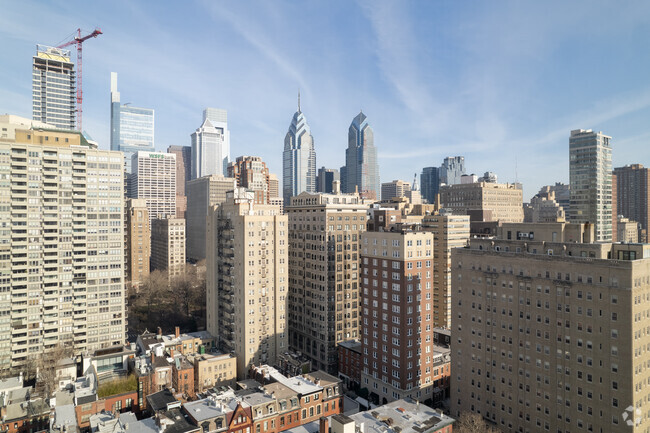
{"points": [[461, 86]]}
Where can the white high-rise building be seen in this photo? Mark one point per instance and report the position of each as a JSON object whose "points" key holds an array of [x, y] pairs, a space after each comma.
{"points": [[590, 177], [61, 245], [298, 158], [154, 180], [211, 144], [53, 87]]}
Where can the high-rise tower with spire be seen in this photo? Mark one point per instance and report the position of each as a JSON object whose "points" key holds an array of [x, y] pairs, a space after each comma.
{"points": [[298, 158], [361, 170]]}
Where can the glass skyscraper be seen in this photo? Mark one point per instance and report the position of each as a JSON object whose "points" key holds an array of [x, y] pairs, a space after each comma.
{"points": [[132, 128], [430, 183], [298, 158], [211, 144], [590, 177], [452, 169], [53, 87], [361, 169]]}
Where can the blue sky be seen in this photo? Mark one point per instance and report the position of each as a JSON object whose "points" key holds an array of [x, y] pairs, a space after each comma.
{"points": [[500, 82]]}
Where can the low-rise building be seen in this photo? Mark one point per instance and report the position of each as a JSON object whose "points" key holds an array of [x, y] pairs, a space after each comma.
{"points": [[214, 369], [350, 363]]}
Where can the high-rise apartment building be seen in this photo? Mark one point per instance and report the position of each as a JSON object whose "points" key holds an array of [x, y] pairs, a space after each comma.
{"points": [[247, 279], [54, 87], [138, 241], [430, 183], [211, 144], [451, 170], [324, 273], [154, 180], [633, 193], [183, 175], [490, 201], [399, 356], [361, 171], [62, 245], [298, 158], [251, 173], [202, 194], [590, 177], [168, 246], [449, 232], [325, 179], [132, 128], [551, 336], [274, 186], [396, 188]]}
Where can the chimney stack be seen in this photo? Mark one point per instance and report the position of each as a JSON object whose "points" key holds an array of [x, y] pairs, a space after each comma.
{"points": [[323, 426], [178, 332]]}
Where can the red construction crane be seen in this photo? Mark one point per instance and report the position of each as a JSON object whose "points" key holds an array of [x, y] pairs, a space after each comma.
{"points": [[79, 40]]}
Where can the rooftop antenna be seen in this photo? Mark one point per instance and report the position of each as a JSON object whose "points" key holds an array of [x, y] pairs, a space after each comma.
{"points": [[299, 101]]}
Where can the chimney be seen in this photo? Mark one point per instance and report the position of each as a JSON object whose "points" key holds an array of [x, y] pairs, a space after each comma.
{"points": [[159, 332], [323, 425], [336, 187], [178, 332], [153, 355]]}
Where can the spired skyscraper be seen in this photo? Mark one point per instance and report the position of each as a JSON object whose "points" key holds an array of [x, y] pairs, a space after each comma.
{"points": [[131, 127], [211, 144], [298, 158], [53, 87], [361, 169], [590, 177]]}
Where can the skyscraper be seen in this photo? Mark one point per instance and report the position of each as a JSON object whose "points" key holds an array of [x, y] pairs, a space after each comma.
{"points": [[154, 180], [62, 248], [247, 279], [325, 179], [633, 195], [298, 158], [138, 241], [53, 87], [361, 169], [183, 175], [590, 177], [132, 128], [452, 169], [430, 181], [211, 144], [251, 173]]}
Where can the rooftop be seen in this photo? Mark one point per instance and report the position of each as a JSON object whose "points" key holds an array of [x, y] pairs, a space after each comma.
{"points": [[162, 400], [406, 416], [354, 345]]}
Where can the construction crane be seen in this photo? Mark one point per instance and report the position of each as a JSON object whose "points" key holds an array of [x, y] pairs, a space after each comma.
{"points": [[79, 40]]}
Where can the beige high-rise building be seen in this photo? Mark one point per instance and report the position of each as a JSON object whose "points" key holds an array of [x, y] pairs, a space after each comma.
{"points": [[628, 231], [324, 274], [247, 279], [551, 336], [274, 186], [489, 201], [202, 194], [396, 188], [252, 173], [154, 180], [138, 241], [168, 245], [61, 245], [449, 232]]}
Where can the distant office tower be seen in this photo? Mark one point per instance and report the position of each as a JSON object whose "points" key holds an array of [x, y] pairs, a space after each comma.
{"points": [[430, 183], [138, 241], [132, 127], [62, 237], [543, 208], [452, 169], [628, 230], [484, 201], [325, 179], [396, 188], [361, 169], [168, 246], [298, 158], [202, 194], [399, 354], [562, 194], [449, 232], [566, 339], [211, 144], [488, 177], [247, 279], [54, 87], [154, 180], [183, 175], [590, 177], [324, 274], [251, 173], [633, 193], [274, 186]]}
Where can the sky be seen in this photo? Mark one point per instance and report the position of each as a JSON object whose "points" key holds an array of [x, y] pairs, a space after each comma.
{"points": [[501, 83]]}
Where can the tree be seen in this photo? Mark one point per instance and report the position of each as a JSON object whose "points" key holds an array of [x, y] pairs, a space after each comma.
{"points": [[469, 422], [47, 363]]}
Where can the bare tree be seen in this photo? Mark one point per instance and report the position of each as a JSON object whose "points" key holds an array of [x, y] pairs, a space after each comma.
{"points": [[469, 422], [47, 363]]}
